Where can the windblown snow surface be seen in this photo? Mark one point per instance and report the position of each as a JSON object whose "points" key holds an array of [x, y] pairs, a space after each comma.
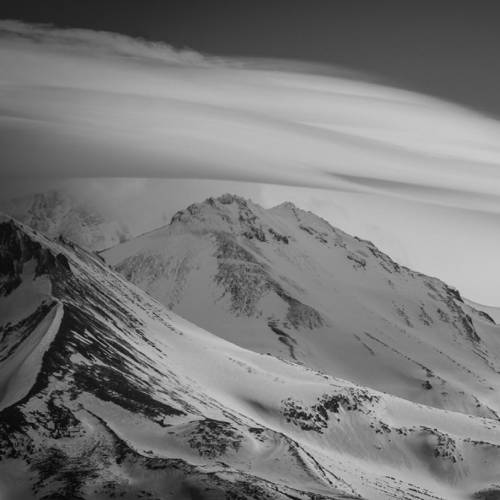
{"points": [[126, 399]]}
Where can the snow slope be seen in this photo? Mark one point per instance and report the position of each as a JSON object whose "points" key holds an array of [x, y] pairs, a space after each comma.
{"points": [[129, 400], [58, 213], [493, 312], [284, 281]]}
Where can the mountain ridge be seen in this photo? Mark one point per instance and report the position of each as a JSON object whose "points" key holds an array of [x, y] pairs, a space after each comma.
{"points": [[131, 400], [285, 281]]}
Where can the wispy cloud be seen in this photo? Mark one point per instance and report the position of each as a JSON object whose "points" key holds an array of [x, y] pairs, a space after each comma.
{"points": [[83, 103]]}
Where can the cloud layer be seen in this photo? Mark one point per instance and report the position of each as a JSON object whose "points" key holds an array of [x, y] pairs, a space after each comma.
{"points": [[77, 103], [83, 103]]}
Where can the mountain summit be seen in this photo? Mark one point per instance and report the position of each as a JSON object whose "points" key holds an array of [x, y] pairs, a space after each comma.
{"points": [[284, 281]]}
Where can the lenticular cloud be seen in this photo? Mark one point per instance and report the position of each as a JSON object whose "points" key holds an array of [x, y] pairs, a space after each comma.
{"points": [[84, 103]]}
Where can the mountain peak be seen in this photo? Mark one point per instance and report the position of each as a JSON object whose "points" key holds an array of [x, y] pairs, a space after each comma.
{"points": [[227, 213], [59, 213], [288, 271], [228, 199], [286, 205]]}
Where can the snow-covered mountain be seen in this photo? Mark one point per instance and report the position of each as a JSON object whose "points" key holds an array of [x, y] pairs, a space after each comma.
{"points": [[284, 281], [58, 213], [104, 393]]}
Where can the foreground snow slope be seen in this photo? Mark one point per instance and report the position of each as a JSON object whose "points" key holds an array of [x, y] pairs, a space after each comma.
{"points": [[284, 281], [127, 399]]}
